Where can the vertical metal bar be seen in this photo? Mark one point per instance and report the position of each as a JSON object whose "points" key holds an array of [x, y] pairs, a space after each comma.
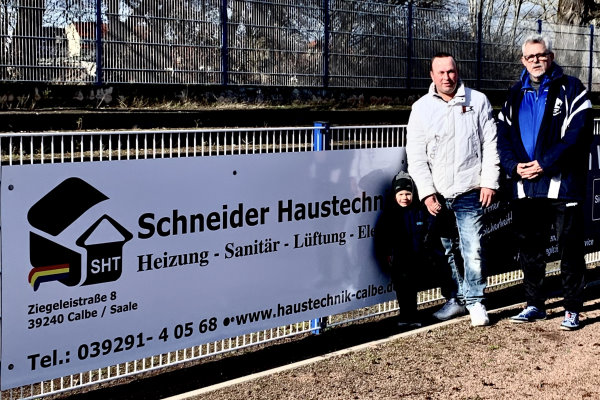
{"points": [[479, 48], [187, 144], [326, 22], [195, 142], [224, 44], [153, 146], [320, 143], [591, 58], [98, 42], [539, 21], [260, 142], [409, 45], [9, 152], [52, 151]]}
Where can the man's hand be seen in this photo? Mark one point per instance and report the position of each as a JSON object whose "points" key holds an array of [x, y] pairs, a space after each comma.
{"points": [[432, 204], [529, 170], [486, 196]]}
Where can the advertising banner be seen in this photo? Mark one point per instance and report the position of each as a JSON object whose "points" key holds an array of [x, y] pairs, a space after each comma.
{"points": [[592, 205], [108, 262]]}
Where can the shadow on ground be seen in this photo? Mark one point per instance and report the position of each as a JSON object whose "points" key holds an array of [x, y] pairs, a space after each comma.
{"points": [[202, 373]]}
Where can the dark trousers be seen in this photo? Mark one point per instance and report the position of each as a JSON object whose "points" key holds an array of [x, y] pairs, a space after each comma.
{"points": [[404, 280], [534, 219]]}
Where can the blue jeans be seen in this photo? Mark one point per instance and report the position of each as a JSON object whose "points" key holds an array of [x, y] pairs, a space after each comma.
{"points": [[464, 248]]}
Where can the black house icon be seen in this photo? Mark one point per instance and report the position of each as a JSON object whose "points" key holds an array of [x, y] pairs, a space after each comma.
{"points": [[104, 242], [52, 214]]}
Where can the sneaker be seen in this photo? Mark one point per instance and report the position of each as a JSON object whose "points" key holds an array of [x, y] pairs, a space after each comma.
{"points": [[478, 313], [571, 321], [529, 314], [451, 309]]}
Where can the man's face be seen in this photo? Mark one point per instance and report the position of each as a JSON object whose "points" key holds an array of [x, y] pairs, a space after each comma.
{"points": [[445, 76], [404, 198], [537, 60]]}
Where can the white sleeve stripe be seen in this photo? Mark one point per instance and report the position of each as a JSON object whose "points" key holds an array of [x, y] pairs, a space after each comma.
{"points": [[586, 105], [582, 94], [520, 190], [502, 118], [554, 187]]}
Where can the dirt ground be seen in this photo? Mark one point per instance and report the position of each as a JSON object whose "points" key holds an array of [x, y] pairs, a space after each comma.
{"points": [[374, 360], [453, 361]]}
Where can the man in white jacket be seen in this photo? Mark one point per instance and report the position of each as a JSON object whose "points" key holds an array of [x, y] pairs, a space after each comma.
{"points": [[452, 157]]}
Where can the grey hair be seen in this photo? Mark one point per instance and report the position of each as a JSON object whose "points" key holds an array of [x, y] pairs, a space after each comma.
{"points": [[537, 39]]}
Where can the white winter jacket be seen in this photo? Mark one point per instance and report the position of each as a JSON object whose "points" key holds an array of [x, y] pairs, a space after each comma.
{"points": [[451, 146]]}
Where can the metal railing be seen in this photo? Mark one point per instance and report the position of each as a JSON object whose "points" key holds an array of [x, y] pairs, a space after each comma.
{"points": [[69, 147], [312, 43]]}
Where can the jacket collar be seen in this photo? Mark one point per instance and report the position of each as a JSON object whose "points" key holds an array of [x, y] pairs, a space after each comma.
{"points": [[555, 72], [459, 97]]}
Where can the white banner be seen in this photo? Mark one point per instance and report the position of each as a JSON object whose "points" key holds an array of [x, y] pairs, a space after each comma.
{"points": [[109, 262]]}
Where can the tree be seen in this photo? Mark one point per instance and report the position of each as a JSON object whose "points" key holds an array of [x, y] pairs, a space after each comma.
{"points": [[577, 12]]}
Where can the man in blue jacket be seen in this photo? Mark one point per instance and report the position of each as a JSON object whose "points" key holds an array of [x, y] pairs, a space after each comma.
{"points": [[544, 136]]}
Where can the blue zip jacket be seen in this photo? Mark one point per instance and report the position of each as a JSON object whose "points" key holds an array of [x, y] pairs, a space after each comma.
{"points": [[563, 140], [531, 111]]}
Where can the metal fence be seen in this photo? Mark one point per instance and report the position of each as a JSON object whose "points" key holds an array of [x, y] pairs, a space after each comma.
{"points": [[309, 43], [74, 147]]}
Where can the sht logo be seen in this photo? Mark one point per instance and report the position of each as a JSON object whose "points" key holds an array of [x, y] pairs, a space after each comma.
{"points": [[102, 242]]}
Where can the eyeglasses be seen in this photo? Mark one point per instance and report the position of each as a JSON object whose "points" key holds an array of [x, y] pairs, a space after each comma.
{"points": [[539, 56]]}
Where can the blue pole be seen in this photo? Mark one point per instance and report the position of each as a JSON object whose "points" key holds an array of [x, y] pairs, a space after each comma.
{"points": [[326, 22], [409, 40], [320, 136], [320, 143], [591, 58], [224, 45], [99, 42], [539, 26]]}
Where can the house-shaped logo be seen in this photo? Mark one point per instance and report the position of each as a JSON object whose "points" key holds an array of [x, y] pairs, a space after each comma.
{"points": [[103, 241]]}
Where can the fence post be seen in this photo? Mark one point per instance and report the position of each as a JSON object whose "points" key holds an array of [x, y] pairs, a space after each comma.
{"points": [[409, 40], [479, 48], [320, 136], [224, 45], [320, 143], [326, 22], [591, 58], [539, 26], [99, 42]]}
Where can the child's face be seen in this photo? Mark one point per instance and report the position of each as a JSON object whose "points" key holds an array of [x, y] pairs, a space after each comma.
{"points": [[404, 198]]}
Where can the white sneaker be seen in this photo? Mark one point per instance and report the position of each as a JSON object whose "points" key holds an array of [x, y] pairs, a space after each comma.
{"points": [[478, 314]]}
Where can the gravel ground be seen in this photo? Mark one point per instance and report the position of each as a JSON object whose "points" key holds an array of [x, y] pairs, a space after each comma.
{"points": [[451, 361], [373, 360]]}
